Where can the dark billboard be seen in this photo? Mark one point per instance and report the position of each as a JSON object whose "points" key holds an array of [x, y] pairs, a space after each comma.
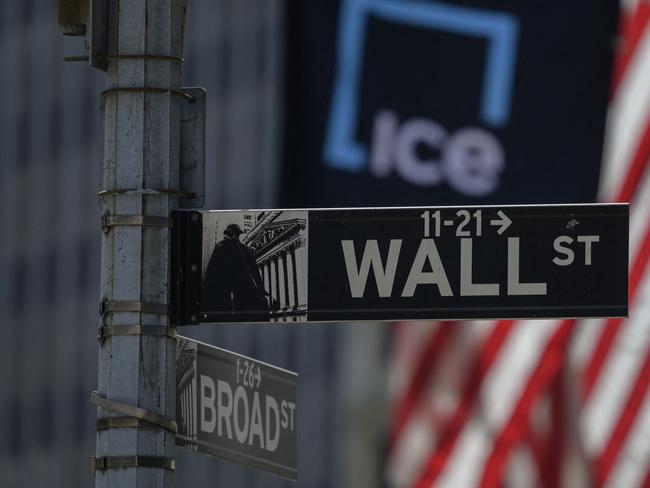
{"points": [[393, 102]]}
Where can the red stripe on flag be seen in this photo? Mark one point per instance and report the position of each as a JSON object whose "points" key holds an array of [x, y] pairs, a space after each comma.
{"points": [[609, 456], [621, 431], [514, 431], [545, 446], [640, 263], [637, 166], [598, 358], [493, 344], [646, 480], [630, 184], [632, 32], [419, 380], [613, 326], [556, 448], [539, 448]]}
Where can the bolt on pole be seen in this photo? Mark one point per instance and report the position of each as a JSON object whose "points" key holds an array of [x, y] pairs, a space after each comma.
{"points": [[140, 174]]}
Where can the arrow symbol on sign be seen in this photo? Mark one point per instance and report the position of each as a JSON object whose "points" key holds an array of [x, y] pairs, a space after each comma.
{"points": [[503, 221]]}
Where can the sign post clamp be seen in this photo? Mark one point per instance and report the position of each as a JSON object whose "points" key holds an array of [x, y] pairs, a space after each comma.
{"points": [[114, 462]]}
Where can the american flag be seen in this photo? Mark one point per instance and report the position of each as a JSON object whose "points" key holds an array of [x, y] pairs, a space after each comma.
{"points": [[552, 403]]}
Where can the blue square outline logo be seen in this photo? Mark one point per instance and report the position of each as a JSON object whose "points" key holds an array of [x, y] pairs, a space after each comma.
{"points": [[501, 30]]}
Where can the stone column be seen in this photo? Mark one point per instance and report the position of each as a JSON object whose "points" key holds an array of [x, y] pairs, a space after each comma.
{"points": [[291, 281], [301, 278], [274, 281], [281, 281], [265, 276]]}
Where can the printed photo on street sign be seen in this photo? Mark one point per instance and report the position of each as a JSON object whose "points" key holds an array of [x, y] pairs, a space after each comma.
{"points": [[482, 262], [254, 266], [236, 408]]}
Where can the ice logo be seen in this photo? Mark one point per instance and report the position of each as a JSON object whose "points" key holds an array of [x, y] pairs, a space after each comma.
{"points": [[472, 158]]}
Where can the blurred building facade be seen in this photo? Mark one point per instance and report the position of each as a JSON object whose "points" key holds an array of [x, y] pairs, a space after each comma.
{"points": [[50, 244]]}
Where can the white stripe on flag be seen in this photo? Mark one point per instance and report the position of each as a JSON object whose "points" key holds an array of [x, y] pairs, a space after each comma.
{"points": [[639, 214], [628, 114], [419, 437], [611, 390], [584, 342], [415, 444], [516, 361], [472, 447], [634, 462], [499, 392]]}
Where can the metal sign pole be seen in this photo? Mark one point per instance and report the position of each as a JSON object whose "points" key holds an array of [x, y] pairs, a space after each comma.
{"points": [[140, 183]]}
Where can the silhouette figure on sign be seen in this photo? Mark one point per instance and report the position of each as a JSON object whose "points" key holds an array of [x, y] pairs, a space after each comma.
{"points": [[233, 287]]}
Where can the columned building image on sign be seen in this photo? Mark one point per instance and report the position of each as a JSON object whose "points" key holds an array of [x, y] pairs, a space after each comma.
{"points": [[186, 382], [279, 244]]}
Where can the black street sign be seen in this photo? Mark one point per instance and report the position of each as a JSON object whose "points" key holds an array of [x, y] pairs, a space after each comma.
{"points": [[236, 408], [479, 262]]}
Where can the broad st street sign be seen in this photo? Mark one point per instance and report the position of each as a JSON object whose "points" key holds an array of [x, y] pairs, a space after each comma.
{"points": [[236, 408], [481, 262]]}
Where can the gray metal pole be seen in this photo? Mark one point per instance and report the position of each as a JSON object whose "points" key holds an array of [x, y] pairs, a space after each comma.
{"points": [[141, 152]]}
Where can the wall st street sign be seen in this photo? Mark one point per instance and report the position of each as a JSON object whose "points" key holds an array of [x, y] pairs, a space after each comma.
{"points": [[479, 262], [236, 408]]}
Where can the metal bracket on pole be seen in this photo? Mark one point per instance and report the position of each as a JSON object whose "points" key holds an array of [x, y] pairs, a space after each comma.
{"points": [[148, 89], [107, 307], [135, 412], [137, 329], [192, 150], [115, 462], [146, 57], [145, 192], [123, 423], [109, 221], [73, 59]]}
